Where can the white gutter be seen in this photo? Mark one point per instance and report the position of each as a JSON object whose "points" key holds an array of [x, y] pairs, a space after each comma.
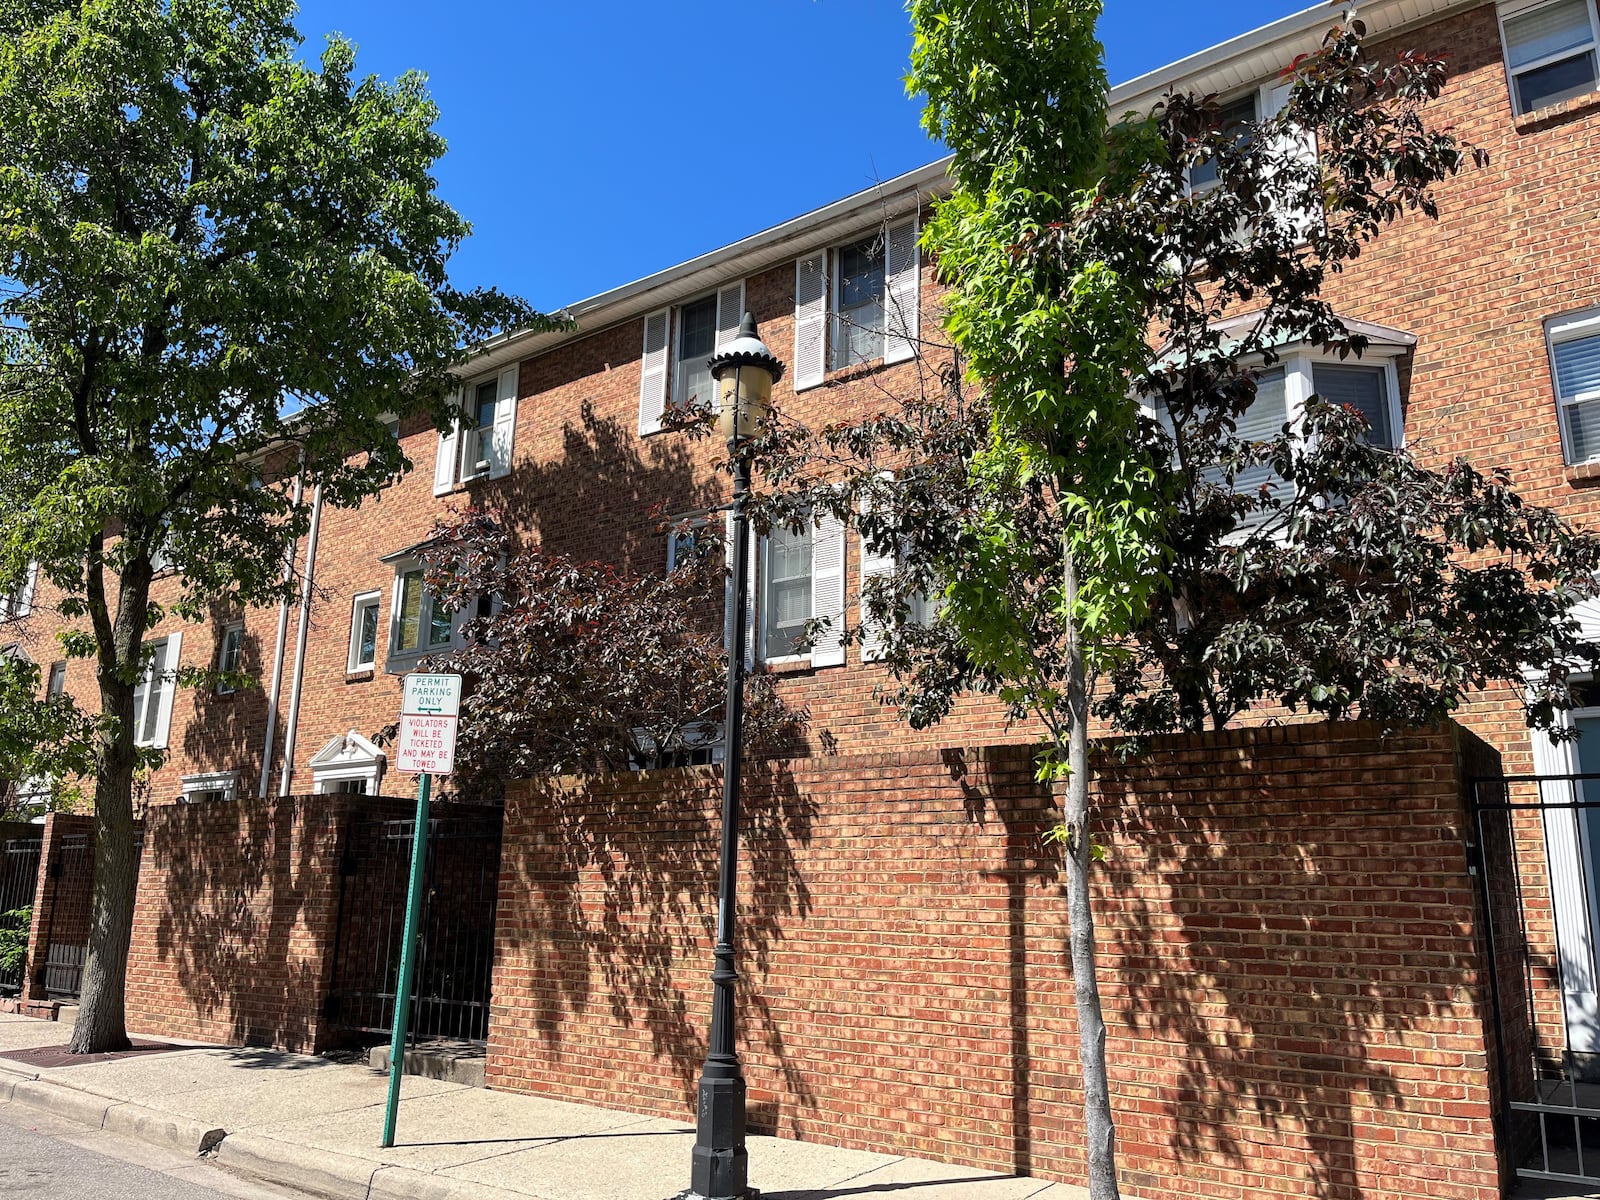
{"points": [[292, 725], [278, 648]]}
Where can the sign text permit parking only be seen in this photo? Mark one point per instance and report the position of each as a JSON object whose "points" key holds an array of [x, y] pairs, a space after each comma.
{"points": [[428, 719]]}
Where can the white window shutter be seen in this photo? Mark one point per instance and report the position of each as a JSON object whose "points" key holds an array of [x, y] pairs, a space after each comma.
{"points": [[1296, 144], [444, 466], [1565, 850], [497, 442], [827, 590], [810, 320], [653, 363], [25, 597], [167, 683], [902, 318], [730, 312], [753, 552], [874, 565]]}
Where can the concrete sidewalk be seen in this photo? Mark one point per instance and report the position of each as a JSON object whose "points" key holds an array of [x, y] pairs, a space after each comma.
{"points": [[315, 1125]]}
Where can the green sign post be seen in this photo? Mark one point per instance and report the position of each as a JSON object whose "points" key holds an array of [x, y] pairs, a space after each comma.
{"points": [[408, 962], [427, 745]]}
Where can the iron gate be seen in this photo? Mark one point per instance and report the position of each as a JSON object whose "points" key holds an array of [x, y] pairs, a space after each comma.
{"points": [[456, 951], [66, 931], [19, 875], [1536, 853]]}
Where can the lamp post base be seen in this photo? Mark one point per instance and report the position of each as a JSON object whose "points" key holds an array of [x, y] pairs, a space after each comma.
{"points": [[749, 1193], [721, 1166]]}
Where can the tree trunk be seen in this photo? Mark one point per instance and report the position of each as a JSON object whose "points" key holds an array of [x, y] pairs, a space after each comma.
{"points": [[1099, 1129], [102, 1019]]}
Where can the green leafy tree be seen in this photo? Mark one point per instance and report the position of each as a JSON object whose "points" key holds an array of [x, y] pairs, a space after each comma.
{"points": [[1057, 528], [222, 266]]}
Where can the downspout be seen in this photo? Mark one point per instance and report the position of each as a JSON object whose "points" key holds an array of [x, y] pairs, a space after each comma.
{"points": [[275, 687], [291, 726]]}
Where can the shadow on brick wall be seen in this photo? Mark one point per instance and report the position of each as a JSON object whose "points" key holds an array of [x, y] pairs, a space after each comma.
{"points": [[234, 922], [1298, 945], [650, 841]]}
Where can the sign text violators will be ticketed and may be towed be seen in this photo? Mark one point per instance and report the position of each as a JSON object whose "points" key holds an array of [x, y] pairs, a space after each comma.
{"points": [[430, 710]]}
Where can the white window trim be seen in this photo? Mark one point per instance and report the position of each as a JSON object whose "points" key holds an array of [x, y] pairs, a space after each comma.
{"points": [[817, 319], [357, 603], [18, 604], [398, 661], [346, 758], [825, 532], [762, 574], [223, 688], [1572, 327], [1511, 11], [162, 695], [469, 438], [1259, 95], [659, 381], [226, 782]]}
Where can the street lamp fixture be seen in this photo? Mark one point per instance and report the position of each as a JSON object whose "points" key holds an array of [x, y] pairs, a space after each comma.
{"points": [[745, 371]]}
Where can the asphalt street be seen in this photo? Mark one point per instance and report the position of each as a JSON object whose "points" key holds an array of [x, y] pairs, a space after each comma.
{"points": [[42, 1155]]}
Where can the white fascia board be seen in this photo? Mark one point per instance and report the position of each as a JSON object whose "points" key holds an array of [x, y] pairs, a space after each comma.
{"points": [[1252, 58]]}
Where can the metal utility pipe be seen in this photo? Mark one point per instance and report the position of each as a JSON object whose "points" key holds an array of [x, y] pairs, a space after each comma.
{"points": [[292, 725], [275, 687]]}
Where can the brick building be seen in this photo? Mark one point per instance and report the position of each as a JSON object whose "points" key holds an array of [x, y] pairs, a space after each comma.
{"points": [[1476, 317], [1486, 342]]}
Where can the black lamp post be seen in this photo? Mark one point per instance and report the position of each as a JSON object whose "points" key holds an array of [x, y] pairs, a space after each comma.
{"points": [[745, 371]]}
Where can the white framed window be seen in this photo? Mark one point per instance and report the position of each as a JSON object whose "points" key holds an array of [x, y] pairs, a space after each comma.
{"points": [[857, 303], [347, 764], [799, 577], [684, 540], [230, 652], [1550, 49], [1371, 386], [480, 448], [363, 654], [1237, 119], [154, 693], [18, 602], [216, 786], [677, 344], [57, 683], [419, 623], [1574, 343]]}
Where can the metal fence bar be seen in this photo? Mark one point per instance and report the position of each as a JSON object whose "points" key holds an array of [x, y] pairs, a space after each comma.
{"points": [[1530, 904], [455, 957], [19, 877]]}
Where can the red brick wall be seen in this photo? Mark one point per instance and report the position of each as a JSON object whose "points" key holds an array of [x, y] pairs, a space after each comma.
{"points": [[234, 922], [1286, 927]]}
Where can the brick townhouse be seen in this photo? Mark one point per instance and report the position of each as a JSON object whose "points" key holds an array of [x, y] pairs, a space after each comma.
{"points": [[1486, 342], [1485, 332]]}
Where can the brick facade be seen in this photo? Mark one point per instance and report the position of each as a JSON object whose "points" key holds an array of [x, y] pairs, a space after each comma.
{"points": [[1515, 246], [1287, 956], [234, 922]]}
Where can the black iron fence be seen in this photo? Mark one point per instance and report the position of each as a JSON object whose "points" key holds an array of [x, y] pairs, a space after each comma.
{"points": [[456, 949], [1538, 865], [19, 875]]}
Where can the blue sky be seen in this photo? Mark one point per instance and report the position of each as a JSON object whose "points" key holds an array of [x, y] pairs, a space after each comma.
{"points": [[593, 143]]}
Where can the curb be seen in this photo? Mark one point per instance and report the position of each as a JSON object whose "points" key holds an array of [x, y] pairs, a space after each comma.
{"points": [[343, 1176], [116, 1116]]}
